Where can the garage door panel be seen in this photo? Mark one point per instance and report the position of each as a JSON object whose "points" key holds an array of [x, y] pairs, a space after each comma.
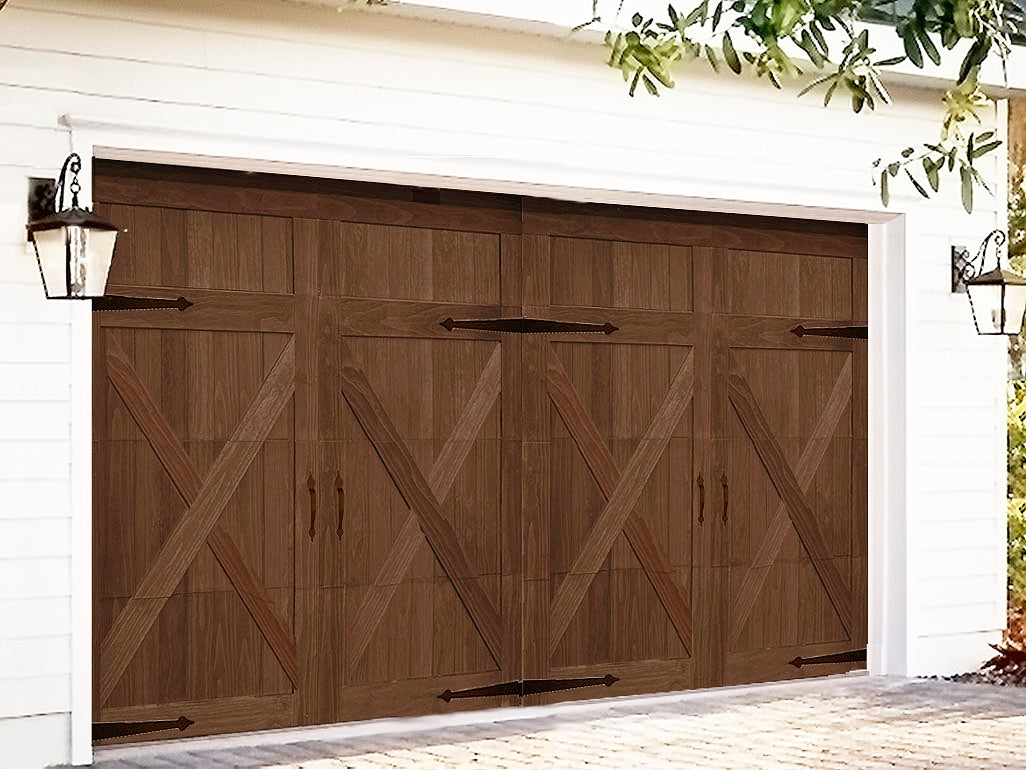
{"points": [[201, 249], [617, 274], [407, 263], [765, 283]]}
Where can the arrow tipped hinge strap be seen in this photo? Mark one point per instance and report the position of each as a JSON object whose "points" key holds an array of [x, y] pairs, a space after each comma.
{"points": [[529, 687], [527, 326], [853, 332], [116, 302], [105, 731], [851, 656]]}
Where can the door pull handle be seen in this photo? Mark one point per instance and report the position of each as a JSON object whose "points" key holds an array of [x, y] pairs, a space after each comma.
{"points": [[341, 504], [701, 499], [311, 486], [726, 490]]}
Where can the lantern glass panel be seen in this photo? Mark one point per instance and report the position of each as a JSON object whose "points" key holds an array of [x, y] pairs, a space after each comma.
{"points": [[1015, 306], [986, 303], [90, 252], [52, 255]]}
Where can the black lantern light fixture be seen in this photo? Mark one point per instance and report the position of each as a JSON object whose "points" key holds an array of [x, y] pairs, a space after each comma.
{"points": [[74, 247], [997, 297]]}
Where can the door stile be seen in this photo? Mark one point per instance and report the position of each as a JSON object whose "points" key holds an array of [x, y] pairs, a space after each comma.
{"points": [[309, 323], [511, 492], [710, 586], [535, 470]]}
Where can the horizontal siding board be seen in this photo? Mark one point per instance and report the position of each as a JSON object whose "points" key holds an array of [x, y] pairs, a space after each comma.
{"points": [[26, 342], [35, 498], [36, 382], [31, 538], [35, 656], [40, 740], [34, 459], [24, 618], [31, 695], [48, 420], [35, 578]]}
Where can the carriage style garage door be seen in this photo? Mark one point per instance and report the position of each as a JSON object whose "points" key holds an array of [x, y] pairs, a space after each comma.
{"points": [[351, 481]]}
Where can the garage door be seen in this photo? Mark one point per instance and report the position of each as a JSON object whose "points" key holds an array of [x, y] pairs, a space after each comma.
{"points": [[350, 480]]}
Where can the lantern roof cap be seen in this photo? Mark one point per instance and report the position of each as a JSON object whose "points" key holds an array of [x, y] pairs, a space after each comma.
{"points": [[73, 217], [996, 277]]}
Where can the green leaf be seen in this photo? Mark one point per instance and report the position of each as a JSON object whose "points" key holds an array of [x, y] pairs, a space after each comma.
{"points": [[912, 50], [695, 15], [806, 43], [829, 93], [919, 187], [890, 62], [857, 101], [885, 193], [931, 173], [820, 39], [907, 152], [973, 58], [636, 19], [983, 149], [984, 136], [951, 158], [967, 190], [893, 168], [730, 54], [649, 85], [928, 46], [672, 12], [876, 162], [710, 54], [717, 14], [634, 83]]}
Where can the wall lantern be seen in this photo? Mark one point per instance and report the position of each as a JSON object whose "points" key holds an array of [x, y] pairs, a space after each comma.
{"points": [[997, 297], [74, 247]]}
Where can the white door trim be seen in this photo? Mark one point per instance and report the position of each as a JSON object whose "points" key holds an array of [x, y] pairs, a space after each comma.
{"points": [[888, 331]]}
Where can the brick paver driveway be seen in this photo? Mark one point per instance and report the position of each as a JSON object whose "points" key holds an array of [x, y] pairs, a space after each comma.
{"points": [[842, 722]]}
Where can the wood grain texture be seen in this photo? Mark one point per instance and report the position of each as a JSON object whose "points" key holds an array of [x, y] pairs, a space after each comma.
{"points": [[443, 473], [791, 493], [416, 490], [607, 474], [224, 311], [621, 502], [239, 714], [195, 526], [811, 457]]}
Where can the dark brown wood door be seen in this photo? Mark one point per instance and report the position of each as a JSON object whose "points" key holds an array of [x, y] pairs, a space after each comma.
{"points": [[194, 428], [789, 458], [418, 550], [315, 501], [609, 460]]}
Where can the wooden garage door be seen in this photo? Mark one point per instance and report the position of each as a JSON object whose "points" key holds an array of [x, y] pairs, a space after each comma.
{"points": [[195, 429], [331, 490]]}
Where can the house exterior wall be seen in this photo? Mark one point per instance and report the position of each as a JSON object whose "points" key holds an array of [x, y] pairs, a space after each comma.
{"points": [[371, 95]]}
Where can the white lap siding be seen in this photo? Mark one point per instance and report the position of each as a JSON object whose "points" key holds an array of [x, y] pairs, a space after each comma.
{"points": [[380, 97]]}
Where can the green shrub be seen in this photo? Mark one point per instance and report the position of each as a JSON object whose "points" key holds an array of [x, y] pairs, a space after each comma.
{"points": [[1017, 492]]}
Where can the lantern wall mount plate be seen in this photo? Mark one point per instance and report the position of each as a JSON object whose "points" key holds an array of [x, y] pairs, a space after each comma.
{"points": [[997, 298]]}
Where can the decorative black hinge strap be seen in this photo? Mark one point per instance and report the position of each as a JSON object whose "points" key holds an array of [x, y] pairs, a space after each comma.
{"points": [[851, 656], [529, 687], [855, 332], [527, 326], [105, 731], [116, 302]]}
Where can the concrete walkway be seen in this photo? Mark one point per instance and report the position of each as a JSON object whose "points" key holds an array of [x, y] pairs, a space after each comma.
{"points": [[843, 723]]}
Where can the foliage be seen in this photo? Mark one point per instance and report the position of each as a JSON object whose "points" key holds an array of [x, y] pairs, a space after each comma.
{"points": [[784, 34], [1017, 492]]}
